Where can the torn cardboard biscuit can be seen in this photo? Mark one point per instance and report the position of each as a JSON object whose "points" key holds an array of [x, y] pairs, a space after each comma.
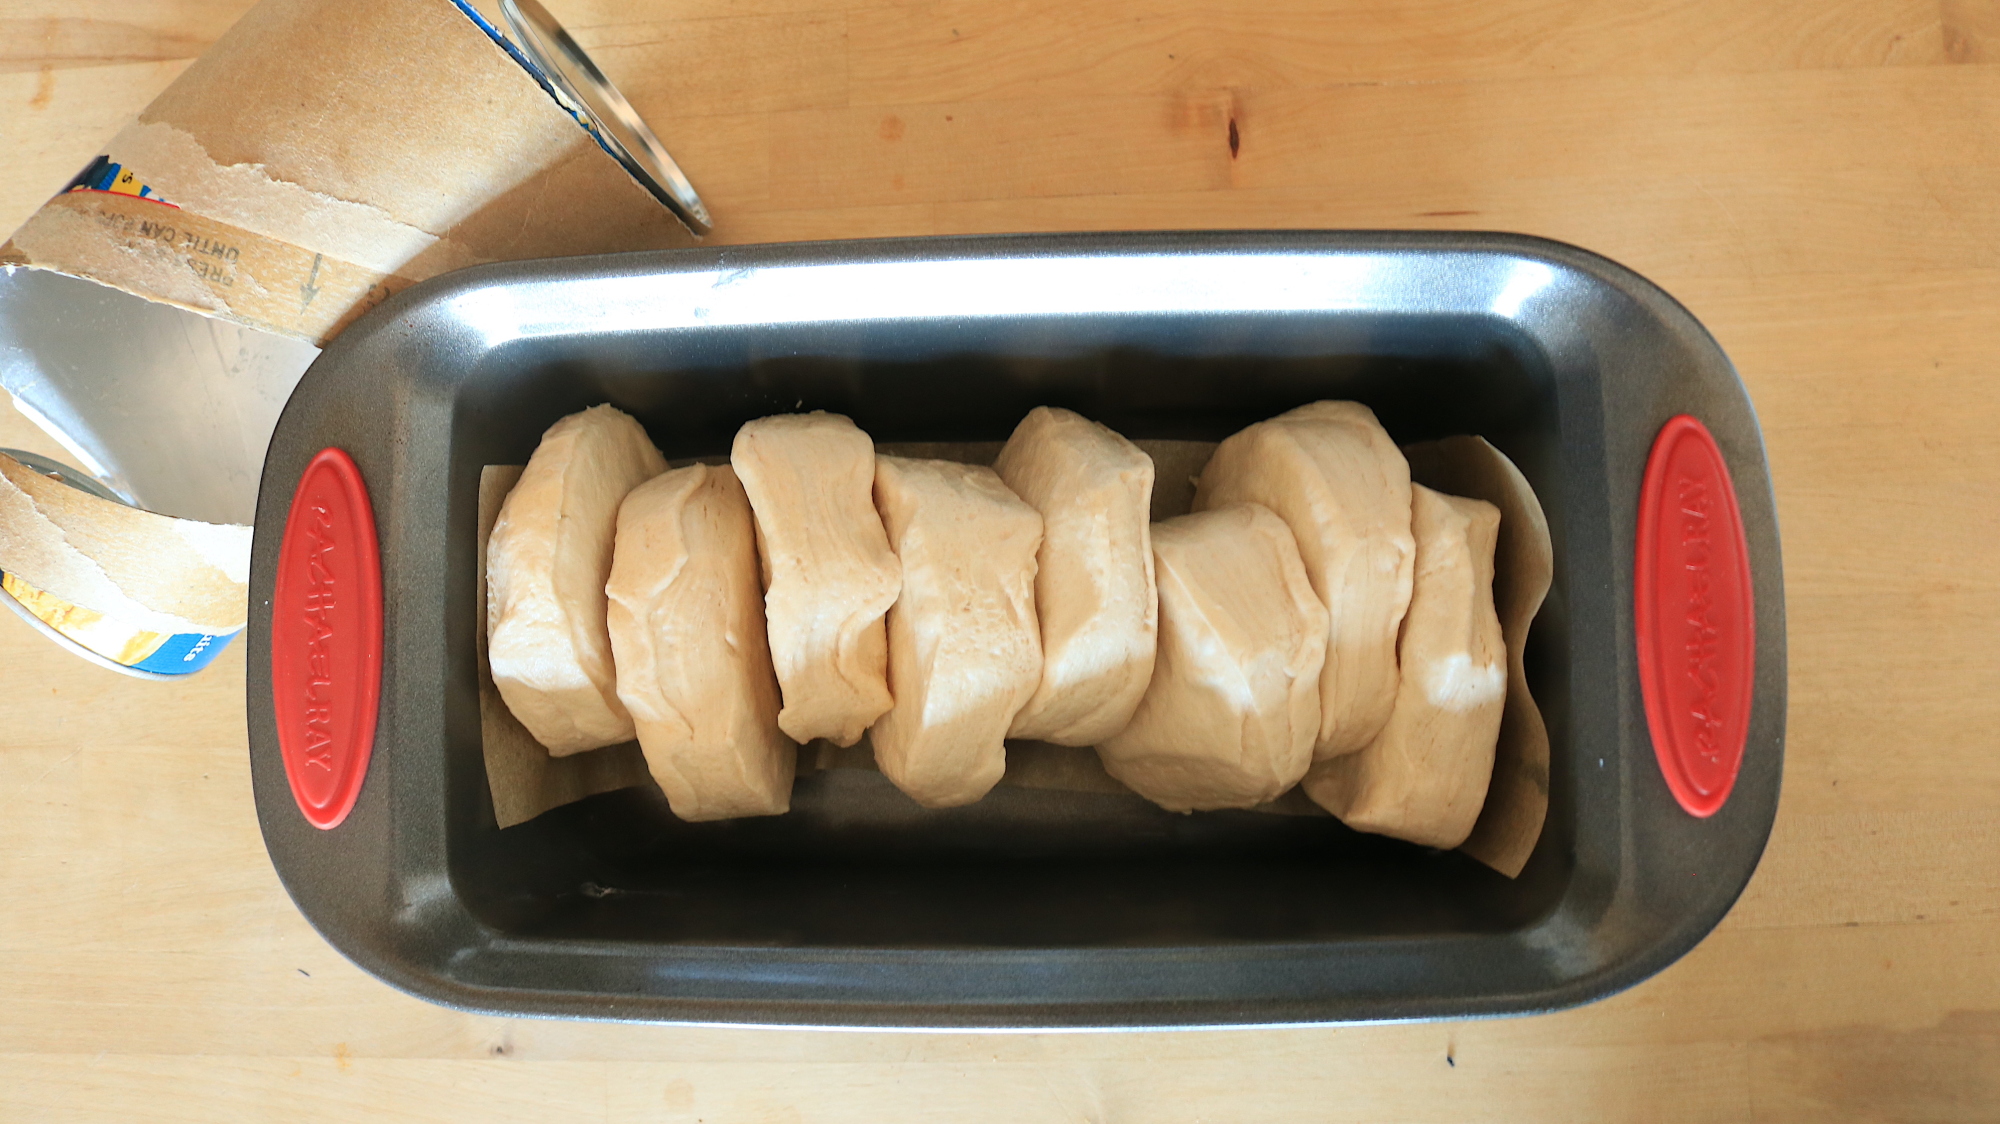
{"points": [[322, 155], [311, 163]]}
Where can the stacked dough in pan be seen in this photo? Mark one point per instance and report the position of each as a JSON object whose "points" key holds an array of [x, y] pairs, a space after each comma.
{"points": [[1317, 617]]}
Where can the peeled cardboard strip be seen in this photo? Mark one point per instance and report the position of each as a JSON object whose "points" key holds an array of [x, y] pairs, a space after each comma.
{"points": [[154, 572], [178, 257]]}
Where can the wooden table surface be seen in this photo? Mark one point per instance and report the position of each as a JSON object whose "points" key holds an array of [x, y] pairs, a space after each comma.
{"points": [[1819, 180]]}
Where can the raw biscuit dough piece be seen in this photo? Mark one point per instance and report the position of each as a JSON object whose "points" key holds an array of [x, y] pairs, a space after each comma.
{"points": [[546, 564], [965, 651], [1333, 475], [694, 667], [1230, 716], [828, 572], [1424, 777], [1094, 591]]}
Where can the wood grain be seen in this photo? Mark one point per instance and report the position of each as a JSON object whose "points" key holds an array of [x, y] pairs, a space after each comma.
{"points": [[1818, 181], [54, 120], [58, 34]]}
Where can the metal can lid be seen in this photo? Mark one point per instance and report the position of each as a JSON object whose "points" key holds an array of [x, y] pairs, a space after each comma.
{"points": [[624, 133]]}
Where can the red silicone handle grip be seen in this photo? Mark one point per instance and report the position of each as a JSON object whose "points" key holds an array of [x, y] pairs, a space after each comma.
{"points": [[1696, 616], [326, 638]]}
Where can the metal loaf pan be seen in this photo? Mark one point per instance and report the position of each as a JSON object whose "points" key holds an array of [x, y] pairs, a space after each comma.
{"points": [[1029, 909]]}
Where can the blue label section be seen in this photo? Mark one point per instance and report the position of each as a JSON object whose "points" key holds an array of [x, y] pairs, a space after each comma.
{"points": [[185, 653], [97, 176]]}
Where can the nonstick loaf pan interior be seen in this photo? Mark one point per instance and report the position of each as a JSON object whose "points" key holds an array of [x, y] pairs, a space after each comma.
{"points": [[1029, 908]]}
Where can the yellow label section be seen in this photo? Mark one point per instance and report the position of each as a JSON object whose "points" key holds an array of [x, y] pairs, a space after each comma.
{"points": [[111, 639], [127, 184]]}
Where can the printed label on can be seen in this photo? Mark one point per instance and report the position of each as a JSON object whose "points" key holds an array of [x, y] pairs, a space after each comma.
{"points": [[106, 175], [161, 653]]}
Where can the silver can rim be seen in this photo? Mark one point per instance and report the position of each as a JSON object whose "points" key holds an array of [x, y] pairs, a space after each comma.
{"points": [[565, 64]]}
